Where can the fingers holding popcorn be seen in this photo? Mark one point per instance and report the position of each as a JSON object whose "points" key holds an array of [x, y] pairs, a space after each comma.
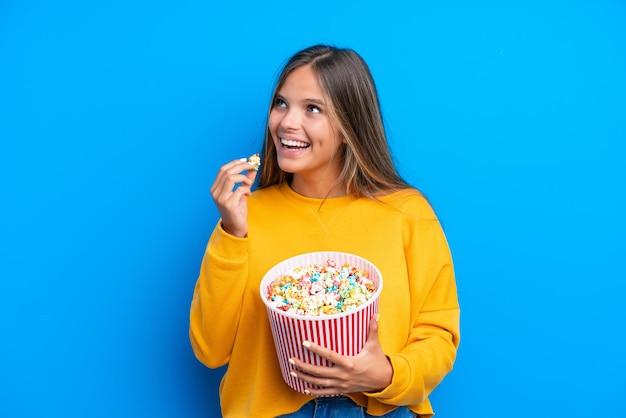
{"points": [[232, 186]]}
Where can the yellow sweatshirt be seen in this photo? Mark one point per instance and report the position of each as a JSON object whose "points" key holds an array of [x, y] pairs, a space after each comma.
{"points": [[419, 311]]}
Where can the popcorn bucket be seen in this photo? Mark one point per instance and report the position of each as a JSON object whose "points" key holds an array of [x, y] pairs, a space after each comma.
{"points": [[344, 333]]}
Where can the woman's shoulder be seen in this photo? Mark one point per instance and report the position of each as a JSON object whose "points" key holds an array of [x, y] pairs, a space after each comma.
{"points": [[265, 192], [410, 201], [266, 189]]}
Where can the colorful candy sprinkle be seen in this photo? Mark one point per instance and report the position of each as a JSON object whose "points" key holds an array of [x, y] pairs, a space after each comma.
{"points": [[318, 289]]}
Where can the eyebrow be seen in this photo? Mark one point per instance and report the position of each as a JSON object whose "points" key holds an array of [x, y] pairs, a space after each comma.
{"points": [[307, 100], [318, 101]]}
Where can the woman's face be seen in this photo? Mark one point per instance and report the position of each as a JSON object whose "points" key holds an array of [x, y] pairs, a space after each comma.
{"points": [[307, 140]]}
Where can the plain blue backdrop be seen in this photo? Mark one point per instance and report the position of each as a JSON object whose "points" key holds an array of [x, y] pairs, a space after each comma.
{"points": [[115, 116]]}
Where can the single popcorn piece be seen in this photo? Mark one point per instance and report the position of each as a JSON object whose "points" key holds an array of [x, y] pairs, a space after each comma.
{"points": [[254, 160], [317, 289]]}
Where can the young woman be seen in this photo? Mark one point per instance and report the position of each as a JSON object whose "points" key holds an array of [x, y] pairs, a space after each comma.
{"points": [[326, 183]]}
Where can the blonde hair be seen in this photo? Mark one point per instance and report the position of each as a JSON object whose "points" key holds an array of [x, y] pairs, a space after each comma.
{"points": [[345, 78]]}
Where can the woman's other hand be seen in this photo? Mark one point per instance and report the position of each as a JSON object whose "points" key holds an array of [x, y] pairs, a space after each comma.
{"points": [[369, 371]]}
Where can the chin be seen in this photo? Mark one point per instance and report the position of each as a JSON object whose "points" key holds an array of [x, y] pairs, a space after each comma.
{"points": [[287, 165], [287, 168]]}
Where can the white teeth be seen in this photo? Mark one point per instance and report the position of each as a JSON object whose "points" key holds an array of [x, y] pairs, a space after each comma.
{"points": [[290, 143]]}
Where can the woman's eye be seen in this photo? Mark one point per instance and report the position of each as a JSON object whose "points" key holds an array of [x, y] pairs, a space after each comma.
{"points": [[313, 109], [278, 102]]}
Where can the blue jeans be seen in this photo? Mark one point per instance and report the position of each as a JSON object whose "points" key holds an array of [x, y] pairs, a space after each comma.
{"points": [[341, 406]]}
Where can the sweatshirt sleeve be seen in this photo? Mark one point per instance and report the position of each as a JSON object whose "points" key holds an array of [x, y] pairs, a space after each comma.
{"points": [[434, 338], [217, 300]]}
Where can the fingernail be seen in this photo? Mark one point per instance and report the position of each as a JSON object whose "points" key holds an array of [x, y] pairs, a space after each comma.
{"points": [[293, 374], [306, 344], [292, 362], [377, 316], [308, 392]]}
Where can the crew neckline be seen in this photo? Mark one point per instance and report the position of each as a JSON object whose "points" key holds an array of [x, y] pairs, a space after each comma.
{"points": [[329, 202]]}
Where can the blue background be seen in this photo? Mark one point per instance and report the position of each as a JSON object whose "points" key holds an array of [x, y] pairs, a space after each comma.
{"points": [[115, 116]]}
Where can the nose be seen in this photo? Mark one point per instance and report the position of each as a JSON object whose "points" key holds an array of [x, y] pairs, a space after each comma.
{"points": [[290, 120]]}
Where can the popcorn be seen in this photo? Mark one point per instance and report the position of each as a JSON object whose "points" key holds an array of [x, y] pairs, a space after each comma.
{"points": [[317, 290], [254, 160], [346, 294]]}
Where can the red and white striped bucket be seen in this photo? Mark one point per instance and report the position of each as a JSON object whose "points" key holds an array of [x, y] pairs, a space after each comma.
{"points": [[344, 333]]}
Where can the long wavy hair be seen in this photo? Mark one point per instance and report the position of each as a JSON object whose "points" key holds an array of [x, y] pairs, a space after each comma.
{"points": [[344, 77]]}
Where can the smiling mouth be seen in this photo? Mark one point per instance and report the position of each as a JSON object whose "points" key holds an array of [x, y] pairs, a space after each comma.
{"points": [[290, 144]]}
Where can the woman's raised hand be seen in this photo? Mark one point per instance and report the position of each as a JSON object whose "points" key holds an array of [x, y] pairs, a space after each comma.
{"points": [[230, 199]]}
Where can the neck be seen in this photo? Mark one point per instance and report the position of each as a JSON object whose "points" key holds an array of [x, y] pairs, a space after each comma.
{"points": [[319, 189]]}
